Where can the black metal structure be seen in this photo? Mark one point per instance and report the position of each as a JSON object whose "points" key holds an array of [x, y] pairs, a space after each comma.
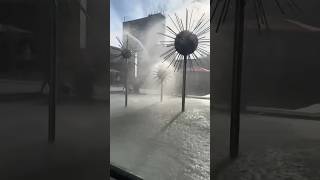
{"points": [[52, 81], [125, 53], [184, 83], [220, 11], [187, 41], [236, 78]]}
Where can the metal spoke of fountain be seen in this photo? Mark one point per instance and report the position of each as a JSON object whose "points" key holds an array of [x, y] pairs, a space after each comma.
{"points": [[220, 10]]}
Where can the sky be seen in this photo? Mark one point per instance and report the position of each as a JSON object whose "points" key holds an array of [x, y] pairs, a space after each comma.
{"points": [[135, 9]]}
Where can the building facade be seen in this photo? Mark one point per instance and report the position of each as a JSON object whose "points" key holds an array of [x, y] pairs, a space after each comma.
{"points": [[143, 37]]}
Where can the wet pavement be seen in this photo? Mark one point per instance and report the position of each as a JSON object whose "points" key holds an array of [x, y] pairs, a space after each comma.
{"points": [[156, 141], [271, 148]]}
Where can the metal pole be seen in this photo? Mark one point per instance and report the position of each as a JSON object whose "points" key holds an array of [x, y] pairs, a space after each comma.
{"points": [[236, 79], [53, 69], [161, 91], [126, 83], [184, 83]]}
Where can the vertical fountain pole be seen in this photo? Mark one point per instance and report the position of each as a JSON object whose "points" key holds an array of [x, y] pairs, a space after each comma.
{"points": [[126, 82], [126, 76], [185, 43], [161, 91], [184, 83], [236, 79], [52, 81], [184, 72]]}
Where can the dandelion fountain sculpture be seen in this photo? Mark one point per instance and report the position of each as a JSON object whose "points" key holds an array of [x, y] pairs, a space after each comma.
{"points": [[220, 10], [125, 53], [188, 41], [161, 75]]}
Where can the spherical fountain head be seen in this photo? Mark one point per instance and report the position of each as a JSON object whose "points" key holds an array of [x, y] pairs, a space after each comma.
{"points": [[186, 42], [126, 53]]}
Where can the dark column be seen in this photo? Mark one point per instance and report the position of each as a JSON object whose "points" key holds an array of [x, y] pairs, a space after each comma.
{"points": [[161, 91], [183, 96], [236, 79], [126, 83], [52, 79]]}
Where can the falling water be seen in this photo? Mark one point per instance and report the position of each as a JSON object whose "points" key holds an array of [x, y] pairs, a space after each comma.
{"points": [[138, 41]]}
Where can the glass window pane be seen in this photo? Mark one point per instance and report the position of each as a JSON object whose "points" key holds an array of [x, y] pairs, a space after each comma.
{"points": [[279, 127], [24, 88], [150, 136]]}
